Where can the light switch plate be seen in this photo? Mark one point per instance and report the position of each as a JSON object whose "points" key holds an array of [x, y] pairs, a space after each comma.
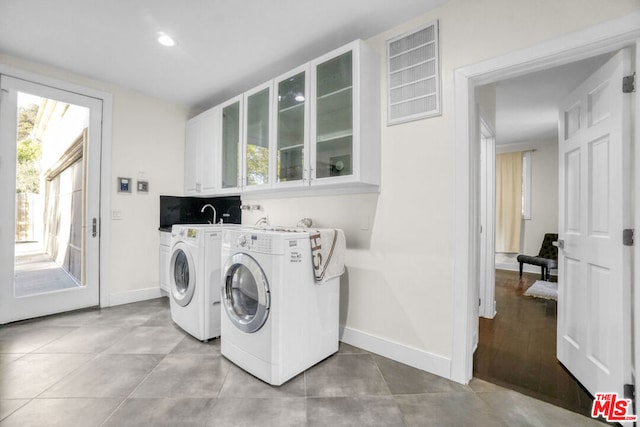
{"points": [[143, 186], [124, 185]]}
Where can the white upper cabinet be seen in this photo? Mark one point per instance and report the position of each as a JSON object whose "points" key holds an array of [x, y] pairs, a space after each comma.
{"points": [[257, 141], [291, 123], [229, 168], [200, 157], [345, 117], [315, 127]]}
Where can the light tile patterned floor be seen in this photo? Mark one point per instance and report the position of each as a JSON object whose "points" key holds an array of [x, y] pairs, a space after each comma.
{"points": [[131, 366]]}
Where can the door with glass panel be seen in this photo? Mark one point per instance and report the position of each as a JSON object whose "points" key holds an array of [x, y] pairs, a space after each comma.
{"points": [[231, 119], [50, 145], [332, 151], [257, 138], [291, 106]]}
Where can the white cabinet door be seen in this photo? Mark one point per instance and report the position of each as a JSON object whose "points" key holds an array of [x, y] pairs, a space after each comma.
{"points": [[345, 116], [192, 155], [200, 155], [257, 141], [165, 240], [291, 128], [209, 182], [594, 277]]}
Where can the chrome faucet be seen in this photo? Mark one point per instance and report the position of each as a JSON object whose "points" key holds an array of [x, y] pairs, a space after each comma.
{"points": [[263, 221], [215, 214]]}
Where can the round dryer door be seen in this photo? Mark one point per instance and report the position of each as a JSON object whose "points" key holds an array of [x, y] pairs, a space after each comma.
{"points": [[182, 274], [245, 293]]}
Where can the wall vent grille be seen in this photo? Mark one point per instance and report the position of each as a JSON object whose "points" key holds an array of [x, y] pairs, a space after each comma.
{"points": [[413, 75]]}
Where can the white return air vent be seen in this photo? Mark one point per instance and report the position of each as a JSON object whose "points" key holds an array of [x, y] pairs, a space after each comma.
{"points": [[414, 75]]}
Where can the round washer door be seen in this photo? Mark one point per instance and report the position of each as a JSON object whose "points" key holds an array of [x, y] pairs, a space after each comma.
{"points": [[182, 274], [245, 293]]}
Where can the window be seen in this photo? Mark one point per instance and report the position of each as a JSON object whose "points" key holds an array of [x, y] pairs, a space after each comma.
{"points": [[526, 185], [413, 75]]}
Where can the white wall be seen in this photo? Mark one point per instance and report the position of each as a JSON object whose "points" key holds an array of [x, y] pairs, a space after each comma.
{"points": [[544, 196], [400, 272], [147, 136]]}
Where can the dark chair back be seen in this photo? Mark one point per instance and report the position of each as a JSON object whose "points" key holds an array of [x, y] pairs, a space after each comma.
{"points": [[548, 250]]}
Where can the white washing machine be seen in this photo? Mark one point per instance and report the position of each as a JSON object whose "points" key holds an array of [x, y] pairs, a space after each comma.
{"points": [[277, 321], [194, 278]]}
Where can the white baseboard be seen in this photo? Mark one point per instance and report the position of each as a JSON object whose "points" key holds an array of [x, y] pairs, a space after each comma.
{"points": [[135, 296], [420, 359]]}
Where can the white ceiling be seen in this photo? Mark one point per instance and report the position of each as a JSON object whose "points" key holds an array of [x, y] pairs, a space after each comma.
{"points": [[527, 106], [223, 46]]}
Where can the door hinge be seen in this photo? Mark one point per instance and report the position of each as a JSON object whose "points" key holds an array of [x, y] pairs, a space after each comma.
{"points": [[629, 83], [479, 302], [627, 236]]}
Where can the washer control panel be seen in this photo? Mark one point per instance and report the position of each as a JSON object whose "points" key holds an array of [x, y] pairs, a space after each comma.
{"points": [[256, 242]]}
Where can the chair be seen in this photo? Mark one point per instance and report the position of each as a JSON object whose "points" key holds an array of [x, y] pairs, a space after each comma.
{"points": [[547, 258]]}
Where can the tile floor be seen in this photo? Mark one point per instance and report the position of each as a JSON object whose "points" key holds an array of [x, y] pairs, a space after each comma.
{"points": [[131, 366]]}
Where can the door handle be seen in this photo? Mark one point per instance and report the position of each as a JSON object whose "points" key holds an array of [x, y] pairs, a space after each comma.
{"points": [[561, 243], [94, 227]]}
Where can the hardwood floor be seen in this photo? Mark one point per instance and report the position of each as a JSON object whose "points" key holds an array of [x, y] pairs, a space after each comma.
{"points": [[517, 349]]}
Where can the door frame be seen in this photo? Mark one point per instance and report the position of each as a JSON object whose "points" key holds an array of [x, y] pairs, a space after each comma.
{"points": [[105, 170], [596, 40], [487, 285]]}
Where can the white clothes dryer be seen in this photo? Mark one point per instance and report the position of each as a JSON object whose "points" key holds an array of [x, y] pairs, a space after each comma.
{"points": [[194, 278], [277, 321]]}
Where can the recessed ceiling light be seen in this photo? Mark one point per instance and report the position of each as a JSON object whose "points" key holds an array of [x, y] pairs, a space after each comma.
{"points": [[166, 40]]}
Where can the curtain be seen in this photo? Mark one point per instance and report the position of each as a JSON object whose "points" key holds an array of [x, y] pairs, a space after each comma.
{"points": [[508, 202]]}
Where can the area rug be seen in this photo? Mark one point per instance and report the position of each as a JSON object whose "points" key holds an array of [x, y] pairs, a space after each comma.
{"points": [[542, 289]]}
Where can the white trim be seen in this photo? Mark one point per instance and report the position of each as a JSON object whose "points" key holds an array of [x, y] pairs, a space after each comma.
{"points": [[487, 284], [601, 38], [135, 296], [105, 170], [635, 191], [419, 359]]}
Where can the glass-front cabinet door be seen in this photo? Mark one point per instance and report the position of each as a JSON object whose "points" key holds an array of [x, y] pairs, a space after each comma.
{"points": [[345, 117], [257, 137], [231, 135], [334, 117], [292, 123]]}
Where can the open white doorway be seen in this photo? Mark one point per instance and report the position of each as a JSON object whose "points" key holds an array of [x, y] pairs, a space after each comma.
{"points": [[52, 140], [517, 347], [545, 56]]}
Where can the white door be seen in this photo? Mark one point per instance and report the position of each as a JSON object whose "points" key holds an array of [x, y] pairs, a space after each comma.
{"points": [[594, 281], [55, 266]]}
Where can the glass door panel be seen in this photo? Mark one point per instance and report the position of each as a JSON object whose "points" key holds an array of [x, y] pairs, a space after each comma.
{"points": [[334, 121], [50, 262], [230, 143], [291, 128], [49, 195], [257, 148]]}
